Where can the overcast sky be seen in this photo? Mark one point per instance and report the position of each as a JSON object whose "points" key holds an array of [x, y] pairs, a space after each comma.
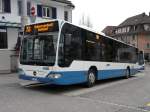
{"points": [[108, 12]]}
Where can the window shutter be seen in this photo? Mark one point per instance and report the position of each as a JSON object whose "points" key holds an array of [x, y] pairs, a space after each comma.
{"points": [[39, 10], [7, 6], [28, 8], [54, 13], [0, 5]]}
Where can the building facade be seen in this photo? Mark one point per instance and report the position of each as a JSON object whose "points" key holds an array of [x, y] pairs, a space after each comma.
{"points": [[135, 31], [10, 23]]}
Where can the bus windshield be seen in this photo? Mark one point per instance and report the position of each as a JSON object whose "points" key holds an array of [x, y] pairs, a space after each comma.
{"points": [[39, 50]]}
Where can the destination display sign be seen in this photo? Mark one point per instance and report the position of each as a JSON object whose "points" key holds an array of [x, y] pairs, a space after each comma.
{"points": [[41, 27]]}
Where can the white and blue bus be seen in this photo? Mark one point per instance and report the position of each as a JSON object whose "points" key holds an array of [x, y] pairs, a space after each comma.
{"points": [[58, 52]]}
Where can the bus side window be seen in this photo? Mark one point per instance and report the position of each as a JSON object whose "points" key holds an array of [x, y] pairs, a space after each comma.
{"points": [[92, 47], [107, 50], [67, 42], [72, 44], [61, 51]]}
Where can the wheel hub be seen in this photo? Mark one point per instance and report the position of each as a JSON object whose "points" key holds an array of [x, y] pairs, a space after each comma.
{"points": [[91, 77]]}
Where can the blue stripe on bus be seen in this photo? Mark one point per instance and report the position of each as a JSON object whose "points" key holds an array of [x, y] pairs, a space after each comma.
{"points": [[105, 74], [39, 79], [75, 77], [71, 77]]}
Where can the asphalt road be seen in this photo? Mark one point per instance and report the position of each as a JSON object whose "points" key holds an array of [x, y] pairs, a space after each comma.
{"points": [[115, 95]]}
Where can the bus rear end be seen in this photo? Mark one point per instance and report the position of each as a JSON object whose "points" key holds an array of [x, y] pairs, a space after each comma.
{"points": [[141, 61]]}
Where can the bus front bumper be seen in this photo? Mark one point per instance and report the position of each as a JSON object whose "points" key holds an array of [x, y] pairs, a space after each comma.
{"points": [[66, 78], [34, 80]]}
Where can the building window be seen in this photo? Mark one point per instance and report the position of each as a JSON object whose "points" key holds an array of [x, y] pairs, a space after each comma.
{"points": [[134, 28], [3, 38], [128, 29], [5, 6], [66, 15], [119, 30], [133, 38], [46, 12], [123, 30], [116, 31], [147, 27]]}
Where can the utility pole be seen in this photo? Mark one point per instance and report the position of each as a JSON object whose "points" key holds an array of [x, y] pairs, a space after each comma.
{"points": [[24, 19]]}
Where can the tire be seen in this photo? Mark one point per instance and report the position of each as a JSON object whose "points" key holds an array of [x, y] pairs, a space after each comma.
{"points": [[91, 78], [127, 73]]}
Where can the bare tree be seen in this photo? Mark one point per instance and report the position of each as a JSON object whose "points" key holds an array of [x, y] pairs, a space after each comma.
{"points": [[85, 21]]}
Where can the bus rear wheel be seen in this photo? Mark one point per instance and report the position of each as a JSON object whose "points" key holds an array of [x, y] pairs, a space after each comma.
{"points": [[91, 78]]}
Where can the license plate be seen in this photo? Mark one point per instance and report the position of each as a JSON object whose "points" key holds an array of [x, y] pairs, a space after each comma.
{"points": [[34, 79]]}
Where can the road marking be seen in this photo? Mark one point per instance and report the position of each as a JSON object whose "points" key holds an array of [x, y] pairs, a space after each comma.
{"points": [[99, 86], [115, 104]]}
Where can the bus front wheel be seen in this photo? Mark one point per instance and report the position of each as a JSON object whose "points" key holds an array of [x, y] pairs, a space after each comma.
{"points": [[127, 73], [91, 78]]}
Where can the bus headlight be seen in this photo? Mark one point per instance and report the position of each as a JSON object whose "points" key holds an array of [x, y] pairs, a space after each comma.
{"points": [[55, 76]]}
